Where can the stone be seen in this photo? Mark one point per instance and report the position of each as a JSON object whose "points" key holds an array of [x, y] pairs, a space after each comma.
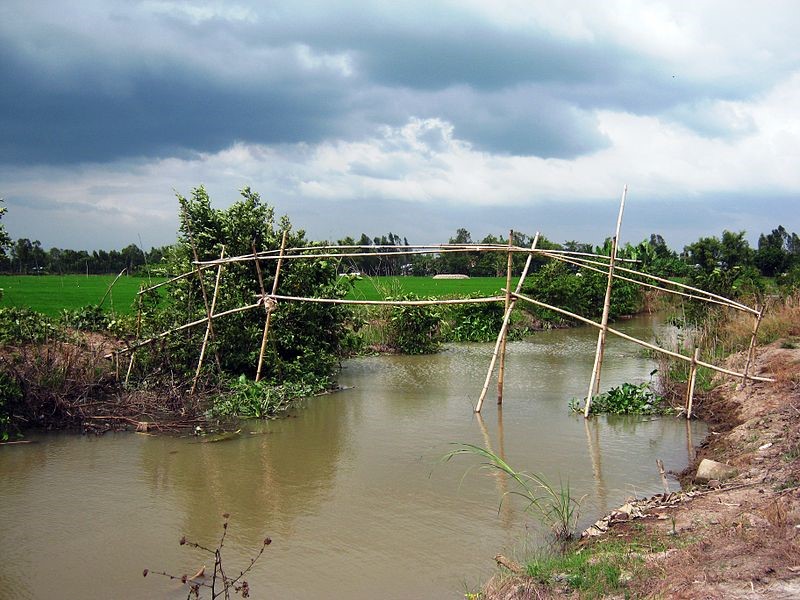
{"points": [[711, 469]]}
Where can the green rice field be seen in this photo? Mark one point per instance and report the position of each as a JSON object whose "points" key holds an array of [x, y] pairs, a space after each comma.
{"points": [[377, 288], [49, 294]]}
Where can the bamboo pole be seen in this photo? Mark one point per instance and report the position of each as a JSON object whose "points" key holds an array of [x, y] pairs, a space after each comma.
{"points": [[387, 250], [183, 327], [176, 278], [586, 265], [202, 283], [208, 326], [637, 340], [751, 350], [130, 368], [269, 311], [108, 291], [387, 302], [692, 380], [501, 370], [594, 382], [503, 327]]}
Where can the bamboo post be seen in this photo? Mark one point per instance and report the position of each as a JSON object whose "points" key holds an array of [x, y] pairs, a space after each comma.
{"points": [[269, 311], [751, 350], [208, 325], [660, 465], [504, 326], [198, 270], [130, 368], [501, 372], [108, 291], [594, 382], [692, 380]]}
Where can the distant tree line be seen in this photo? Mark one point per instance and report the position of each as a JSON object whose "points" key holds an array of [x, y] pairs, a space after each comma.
{"points": [[777, 255], [26, 257]]}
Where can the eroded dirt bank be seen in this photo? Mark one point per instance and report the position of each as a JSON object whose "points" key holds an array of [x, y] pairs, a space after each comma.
{"points": [[734, 538]]}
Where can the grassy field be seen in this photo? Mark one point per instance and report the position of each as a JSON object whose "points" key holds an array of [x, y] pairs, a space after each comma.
{"points": [[377, 288], [49, 294]]}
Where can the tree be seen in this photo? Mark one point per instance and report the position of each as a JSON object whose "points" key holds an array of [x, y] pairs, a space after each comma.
{"points": [[777, 252], [305, 338], [5, 240]]}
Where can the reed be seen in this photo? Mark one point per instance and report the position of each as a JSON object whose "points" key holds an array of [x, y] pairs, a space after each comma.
{"points": [[555, 507]]}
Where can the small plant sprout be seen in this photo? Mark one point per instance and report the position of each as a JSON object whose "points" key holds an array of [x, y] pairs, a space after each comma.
{"points": [[554, 507], [220, 585]]}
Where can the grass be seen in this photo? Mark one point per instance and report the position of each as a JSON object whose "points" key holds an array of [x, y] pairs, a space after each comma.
{"points": [[49, 294], [377, 288]]}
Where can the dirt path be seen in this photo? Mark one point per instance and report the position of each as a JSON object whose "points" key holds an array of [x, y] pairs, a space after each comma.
{"points": [[742, 540]]}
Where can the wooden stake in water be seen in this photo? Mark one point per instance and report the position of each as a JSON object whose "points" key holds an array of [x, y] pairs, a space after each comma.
{"points": [[594, 382], [208, 325], [501, 372], [692, 380], [269, 311], [504, 326]]}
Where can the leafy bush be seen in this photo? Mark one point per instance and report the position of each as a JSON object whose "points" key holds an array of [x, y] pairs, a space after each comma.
{"points": [[22, 325], [305, 339], [88, 318], [580, 292], [627, 399], [262, 399], [474, 322], [414, 329], [10, 397]]}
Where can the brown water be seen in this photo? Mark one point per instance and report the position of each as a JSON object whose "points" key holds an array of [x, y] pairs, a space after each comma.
{"points": [[351, 488]]}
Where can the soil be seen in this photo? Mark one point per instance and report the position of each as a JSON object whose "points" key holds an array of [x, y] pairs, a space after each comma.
{"points": [[738, 538]]}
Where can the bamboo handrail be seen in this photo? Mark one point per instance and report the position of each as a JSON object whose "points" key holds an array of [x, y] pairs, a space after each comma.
{"points": [[164, 334], [388, 302], [586, 266], [638, 341]]}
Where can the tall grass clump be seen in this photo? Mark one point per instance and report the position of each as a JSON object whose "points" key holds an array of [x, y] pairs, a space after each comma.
{"points": [[555, 507]]}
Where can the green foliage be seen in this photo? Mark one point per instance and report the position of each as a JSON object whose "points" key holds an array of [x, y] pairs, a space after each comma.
{"points": [[554, 507], [305, 339], [626, 399], [5, 240], [10, 397], [414, 329], [22, 325], [474, 322], [580, 292], [263, 399], [88, 318]]}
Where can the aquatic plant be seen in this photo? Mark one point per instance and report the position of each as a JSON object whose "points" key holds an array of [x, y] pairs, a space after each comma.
{"points": [[626, 399], [554, 506]]}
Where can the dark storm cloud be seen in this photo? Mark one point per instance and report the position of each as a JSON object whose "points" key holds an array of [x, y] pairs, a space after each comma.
{"points": [[100, 81]]}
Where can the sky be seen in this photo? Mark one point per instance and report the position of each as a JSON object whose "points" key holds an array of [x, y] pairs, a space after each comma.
{"points": [[416, 118]]}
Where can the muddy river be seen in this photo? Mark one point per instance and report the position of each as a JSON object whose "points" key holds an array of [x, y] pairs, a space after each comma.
{"points": [[351, 488]]}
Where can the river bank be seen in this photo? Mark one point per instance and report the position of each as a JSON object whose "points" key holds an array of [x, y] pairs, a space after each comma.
{"points": [[733, 538]]}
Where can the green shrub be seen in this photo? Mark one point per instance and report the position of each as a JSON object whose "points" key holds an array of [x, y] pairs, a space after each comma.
{"points": [[88, 318], [414, 329], [263, 399], [474, 322], [22, 325]]}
